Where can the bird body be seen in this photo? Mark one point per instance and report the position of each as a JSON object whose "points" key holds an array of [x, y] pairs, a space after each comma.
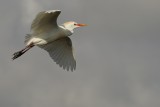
{"points": [[53, 38], [46, 37]]}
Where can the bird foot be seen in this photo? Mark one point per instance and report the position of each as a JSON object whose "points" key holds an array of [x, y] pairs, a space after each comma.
{"points": [[17, 54]]}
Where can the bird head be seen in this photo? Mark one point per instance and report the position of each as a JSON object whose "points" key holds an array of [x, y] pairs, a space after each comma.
{"points": [[72, 25]]}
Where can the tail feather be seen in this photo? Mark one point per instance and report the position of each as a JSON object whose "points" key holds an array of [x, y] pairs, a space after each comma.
{"points": [[27, 38]]}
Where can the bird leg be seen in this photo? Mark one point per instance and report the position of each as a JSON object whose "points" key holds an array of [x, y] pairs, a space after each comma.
{"points": [[21, 52]]}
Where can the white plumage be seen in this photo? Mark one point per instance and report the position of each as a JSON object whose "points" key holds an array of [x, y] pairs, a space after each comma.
{"points": [[48, 35]]}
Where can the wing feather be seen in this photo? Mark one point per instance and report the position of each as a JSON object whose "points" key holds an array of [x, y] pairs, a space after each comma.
{"points": [[45, 21], [61, 52]]}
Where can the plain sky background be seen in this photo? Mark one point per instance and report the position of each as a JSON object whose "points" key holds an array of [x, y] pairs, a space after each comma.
{"points": [[118, 55]]}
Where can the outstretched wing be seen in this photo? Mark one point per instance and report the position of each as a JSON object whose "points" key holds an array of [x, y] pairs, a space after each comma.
{"points": [[61, 52], [45, 20]]}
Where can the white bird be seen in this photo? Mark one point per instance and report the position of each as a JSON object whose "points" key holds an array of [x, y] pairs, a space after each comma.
{"points": [[53, 38]]}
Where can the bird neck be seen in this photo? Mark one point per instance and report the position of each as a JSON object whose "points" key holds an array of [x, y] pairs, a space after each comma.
{"points": [[67, 31]]}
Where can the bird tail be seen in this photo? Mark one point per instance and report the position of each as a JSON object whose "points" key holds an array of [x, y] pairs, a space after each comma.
{"points": [[27, 38], [21, 52]]}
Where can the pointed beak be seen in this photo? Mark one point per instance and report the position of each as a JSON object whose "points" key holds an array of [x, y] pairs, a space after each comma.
{"points": [[80, 25]]}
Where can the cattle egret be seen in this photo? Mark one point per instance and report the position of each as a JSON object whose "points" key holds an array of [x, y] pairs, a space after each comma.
{"points": [[46, 34]]}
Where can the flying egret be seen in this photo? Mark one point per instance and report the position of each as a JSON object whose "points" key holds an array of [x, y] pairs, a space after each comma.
{"points": [[53, 38]]}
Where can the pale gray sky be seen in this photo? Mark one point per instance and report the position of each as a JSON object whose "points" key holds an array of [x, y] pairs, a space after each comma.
{"points": [[118, 55]]}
